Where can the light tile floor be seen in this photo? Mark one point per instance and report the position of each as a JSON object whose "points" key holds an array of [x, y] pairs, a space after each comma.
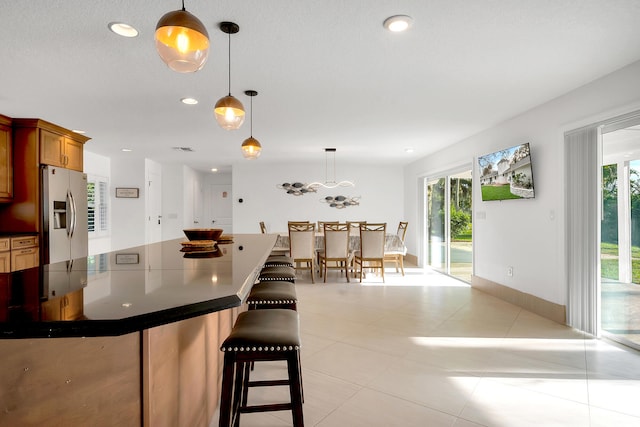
{"points": [[428, 350]]}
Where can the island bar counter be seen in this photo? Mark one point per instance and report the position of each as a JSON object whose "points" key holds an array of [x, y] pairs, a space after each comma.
{"points": [[132, 336]]}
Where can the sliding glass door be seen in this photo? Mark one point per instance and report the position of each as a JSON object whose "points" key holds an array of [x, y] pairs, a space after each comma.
{"points": [[449, 224], [620, 236], [436, 230]]}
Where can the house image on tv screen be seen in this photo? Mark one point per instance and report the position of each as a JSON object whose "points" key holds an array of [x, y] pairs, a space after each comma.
{"points": [[506, 174]]}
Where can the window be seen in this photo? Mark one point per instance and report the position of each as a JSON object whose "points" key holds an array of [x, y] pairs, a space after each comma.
{"points": [[98, 204]]}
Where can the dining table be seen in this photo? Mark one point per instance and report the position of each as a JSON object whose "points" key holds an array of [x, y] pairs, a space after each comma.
{"points": [[392, 243]]}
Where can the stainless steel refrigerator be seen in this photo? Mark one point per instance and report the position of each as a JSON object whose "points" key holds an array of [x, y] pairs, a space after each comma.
{"points": [[65, 234]]}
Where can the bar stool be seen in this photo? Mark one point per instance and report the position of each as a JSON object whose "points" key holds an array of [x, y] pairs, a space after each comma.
{"points": [[269, 295], [272, 294], [260, 335], [282, 274], [278, 261]]}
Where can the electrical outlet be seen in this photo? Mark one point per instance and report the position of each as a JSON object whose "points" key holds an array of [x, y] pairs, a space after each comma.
{"points": [[510, 271]]}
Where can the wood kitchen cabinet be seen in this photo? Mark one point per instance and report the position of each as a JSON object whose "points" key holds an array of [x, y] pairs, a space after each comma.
{"points": [[68, 307], [36, 142], [59, 150], [18, 253], [5, 255], [6, 160]]}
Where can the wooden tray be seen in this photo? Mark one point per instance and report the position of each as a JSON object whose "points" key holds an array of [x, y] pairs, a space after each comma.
{"points": [[198, 244]]}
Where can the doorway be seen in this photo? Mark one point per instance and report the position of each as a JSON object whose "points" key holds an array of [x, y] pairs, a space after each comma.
{"points": [[220, 209], [449, 228], [620, 235], [154, 207]]}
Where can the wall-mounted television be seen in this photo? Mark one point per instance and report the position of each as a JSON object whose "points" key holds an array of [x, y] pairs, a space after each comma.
{"points": [[506, 174]]}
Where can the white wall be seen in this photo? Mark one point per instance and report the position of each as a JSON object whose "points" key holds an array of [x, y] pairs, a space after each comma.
{"points": [[256, 183], [181, 196], [128, 216], [526, 234]]}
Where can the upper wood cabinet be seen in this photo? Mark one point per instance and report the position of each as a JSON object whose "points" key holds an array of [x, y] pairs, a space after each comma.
{"points": [[54, 145], [6, 160], [59, 150]]}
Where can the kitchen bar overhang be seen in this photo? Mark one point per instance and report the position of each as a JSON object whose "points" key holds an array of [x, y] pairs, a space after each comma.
{"points": [[129, 290]]}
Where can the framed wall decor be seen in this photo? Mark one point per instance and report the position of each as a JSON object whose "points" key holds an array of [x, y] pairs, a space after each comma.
{"points": [[128, 193], [132, 258]]}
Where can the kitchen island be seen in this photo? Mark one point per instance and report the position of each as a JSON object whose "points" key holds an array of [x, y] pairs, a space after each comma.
{"points": [[129, 337]]}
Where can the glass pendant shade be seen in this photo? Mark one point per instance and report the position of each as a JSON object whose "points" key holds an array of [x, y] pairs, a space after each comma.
{"points": [[182, 41], [229, 113], [251, 148]]}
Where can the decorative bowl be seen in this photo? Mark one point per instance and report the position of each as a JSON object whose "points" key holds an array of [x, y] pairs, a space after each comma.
{"points": [[203, 233]]}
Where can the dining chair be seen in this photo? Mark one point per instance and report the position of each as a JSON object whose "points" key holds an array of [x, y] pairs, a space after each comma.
{"points": [[371, 253], [336, 249], [354, 227], [322, 223], [263, 228], [302, 245], [396, 253]]}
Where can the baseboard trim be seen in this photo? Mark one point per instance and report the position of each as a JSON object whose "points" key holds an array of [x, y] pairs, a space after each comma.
{"points": [[411, 259], [539, 306]]}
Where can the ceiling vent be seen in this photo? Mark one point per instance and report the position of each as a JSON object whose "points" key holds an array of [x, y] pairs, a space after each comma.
{"points": [[183, 149]]}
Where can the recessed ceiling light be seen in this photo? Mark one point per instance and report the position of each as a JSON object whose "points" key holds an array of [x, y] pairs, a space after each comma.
{"points": [[408, 150], [214, 169], [189, 101], [398, 23], [122, 29], [127, 150]]}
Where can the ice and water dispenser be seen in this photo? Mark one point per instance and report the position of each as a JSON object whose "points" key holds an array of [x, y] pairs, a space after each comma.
{"points": [[59, 214]]}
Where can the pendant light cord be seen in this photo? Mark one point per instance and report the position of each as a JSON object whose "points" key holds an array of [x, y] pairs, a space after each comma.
{"points": [[229, 63], [183, 9], [251, 119]]}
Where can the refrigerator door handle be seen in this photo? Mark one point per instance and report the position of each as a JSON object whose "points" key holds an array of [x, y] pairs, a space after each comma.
{"points": [[73, 214], [68, 214]]}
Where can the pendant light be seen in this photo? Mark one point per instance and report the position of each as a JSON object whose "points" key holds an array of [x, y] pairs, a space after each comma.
{"points": [[251, 148], [333, 183], [182, 41], [228, 110]]}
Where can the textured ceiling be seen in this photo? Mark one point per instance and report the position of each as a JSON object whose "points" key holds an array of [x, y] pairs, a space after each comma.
{"points": [[328, 74]]}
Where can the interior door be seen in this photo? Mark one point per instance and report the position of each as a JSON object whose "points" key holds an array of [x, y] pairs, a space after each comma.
{"points": [[221, 208], [154, 208]]}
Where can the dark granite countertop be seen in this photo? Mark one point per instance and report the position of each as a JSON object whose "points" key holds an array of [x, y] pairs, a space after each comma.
{"points": [[129, 290]]}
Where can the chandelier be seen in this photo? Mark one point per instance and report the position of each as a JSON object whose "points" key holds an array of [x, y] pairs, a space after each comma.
{"points": [[330, 165]]}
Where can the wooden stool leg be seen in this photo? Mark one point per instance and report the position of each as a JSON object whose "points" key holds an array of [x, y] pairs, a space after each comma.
{"points": [[238, 392], [300, 373], [248, 367], [295, 389], [227, 391]]}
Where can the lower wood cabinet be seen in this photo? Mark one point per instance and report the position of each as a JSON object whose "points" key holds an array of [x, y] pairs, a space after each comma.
{"points": [[5, 262], [5, 255], [18, 253], [68, 307], [22, 259]]}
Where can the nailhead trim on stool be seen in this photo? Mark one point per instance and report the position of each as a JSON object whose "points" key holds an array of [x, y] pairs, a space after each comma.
{"points": [[260, 335], [284, 274]]}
